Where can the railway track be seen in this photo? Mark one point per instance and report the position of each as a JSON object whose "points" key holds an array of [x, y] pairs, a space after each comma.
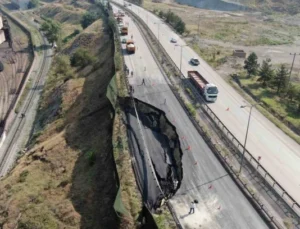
{"points": [[21, 121]]}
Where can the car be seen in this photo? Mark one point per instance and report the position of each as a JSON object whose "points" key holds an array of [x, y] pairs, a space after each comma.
{"points": [[195, 61], [124, 41], [121, 25], [129, 4], [173, 40]]}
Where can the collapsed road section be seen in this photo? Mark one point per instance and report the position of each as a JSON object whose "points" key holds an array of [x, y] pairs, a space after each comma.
{"points": [[163, 146]]}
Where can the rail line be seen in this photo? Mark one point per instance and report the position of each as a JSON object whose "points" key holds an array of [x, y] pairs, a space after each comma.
{"points": [[30, 97]]}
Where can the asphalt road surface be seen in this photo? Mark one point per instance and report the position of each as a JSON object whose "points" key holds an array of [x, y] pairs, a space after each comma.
{"points": [[221, 203], [280, 155]]}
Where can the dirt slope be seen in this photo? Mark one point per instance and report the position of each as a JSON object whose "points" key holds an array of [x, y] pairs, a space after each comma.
{"points": [[67, 176]]}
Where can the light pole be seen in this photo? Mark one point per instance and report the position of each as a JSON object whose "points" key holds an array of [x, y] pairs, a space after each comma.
{"points": [[244, 149], [294, 54], [158, 24], [181, 46]]}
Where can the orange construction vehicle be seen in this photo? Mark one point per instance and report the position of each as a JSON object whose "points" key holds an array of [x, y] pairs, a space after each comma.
{"points": [[124, 30], [130, 47]]}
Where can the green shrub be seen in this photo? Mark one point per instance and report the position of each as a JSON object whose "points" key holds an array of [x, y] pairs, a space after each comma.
{"points": [[91, 157], [23, 176], [82, 58]]}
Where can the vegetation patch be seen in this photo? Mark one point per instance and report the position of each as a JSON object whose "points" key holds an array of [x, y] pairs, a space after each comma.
{"points": [[272, 87]]}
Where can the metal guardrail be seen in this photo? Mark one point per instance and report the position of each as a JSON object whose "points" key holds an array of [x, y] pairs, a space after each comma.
{"points": [[268, 178]]}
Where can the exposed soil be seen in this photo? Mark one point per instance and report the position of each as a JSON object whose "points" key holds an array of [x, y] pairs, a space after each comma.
{"points": [[68, 175]]}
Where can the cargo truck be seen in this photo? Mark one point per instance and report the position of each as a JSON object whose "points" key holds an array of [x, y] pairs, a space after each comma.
{"points": [[208, 90], [130, 47]]}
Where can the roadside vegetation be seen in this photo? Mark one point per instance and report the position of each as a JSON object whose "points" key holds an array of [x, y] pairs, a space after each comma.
{"points": [[274, 88], [172, 19]]}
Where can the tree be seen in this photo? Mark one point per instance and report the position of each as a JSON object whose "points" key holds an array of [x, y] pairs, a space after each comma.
{"points": [[251, 64], [298, 99], [292, 92], [266, 72], [180, 27], [33, 4], [161, 14], [81, 58], [52, 30], [281, 78], [88, 18]]}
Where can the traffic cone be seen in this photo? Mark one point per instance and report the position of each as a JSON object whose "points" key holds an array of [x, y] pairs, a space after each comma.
{"points": [[188, 148], [227, 109], [210, 187], [219, 207], [195, 163], [183, 137]]}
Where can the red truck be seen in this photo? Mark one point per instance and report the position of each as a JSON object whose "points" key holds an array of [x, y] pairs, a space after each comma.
{"points": [[208, 90]]}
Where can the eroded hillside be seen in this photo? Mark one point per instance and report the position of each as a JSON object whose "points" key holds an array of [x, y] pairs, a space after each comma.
{"points": [[68, 174]]}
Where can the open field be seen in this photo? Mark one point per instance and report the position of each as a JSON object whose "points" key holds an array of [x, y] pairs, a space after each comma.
{"points": [[214, 35]]}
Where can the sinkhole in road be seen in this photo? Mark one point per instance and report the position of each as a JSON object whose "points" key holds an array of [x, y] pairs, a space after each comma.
{"points": [[156, 133]]}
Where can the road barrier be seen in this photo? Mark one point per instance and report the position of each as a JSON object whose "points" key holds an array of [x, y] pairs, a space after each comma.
{"points": [[289, 200]]}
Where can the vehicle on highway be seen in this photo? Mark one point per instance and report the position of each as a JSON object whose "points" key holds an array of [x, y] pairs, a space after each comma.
{"points": [[121, 25], [130, 47], [129, 4], [195, 61], [124, 30], [208, 90], [124, 41], [173, 40]]}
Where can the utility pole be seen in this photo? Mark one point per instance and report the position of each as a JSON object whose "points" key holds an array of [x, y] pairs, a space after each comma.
{"points": [[199, 25], [181, 46], [295, 54], [246, 137]]}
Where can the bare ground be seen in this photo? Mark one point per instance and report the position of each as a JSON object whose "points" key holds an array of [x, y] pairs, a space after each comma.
{"points": [[68, 175]]}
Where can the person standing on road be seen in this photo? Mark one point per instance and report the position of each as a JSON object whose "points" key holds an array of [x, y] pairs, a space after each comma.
{"points": [[143, 82], [192, 208]]}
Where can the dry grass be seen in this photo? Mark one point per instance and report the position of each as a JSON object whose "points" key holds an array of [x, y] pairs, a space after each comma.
{"points": [[69, 17], [55, 184], [231, 27]]}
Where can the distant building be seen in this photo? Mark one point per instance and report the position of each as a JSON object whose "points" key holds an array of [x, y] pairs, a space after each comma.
{"points": [[239, 53], [5, 31], [2, 35]]}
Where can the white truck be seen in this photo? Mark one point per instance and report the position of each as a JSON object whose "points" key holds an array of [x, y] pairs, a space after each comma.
{"points": [[208, 90]]}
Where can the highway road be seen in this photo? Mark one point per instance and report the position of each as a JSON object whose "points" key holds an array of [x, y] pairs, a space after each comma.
{"points": [[20, 129], [280, 155], [221, 203]]}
